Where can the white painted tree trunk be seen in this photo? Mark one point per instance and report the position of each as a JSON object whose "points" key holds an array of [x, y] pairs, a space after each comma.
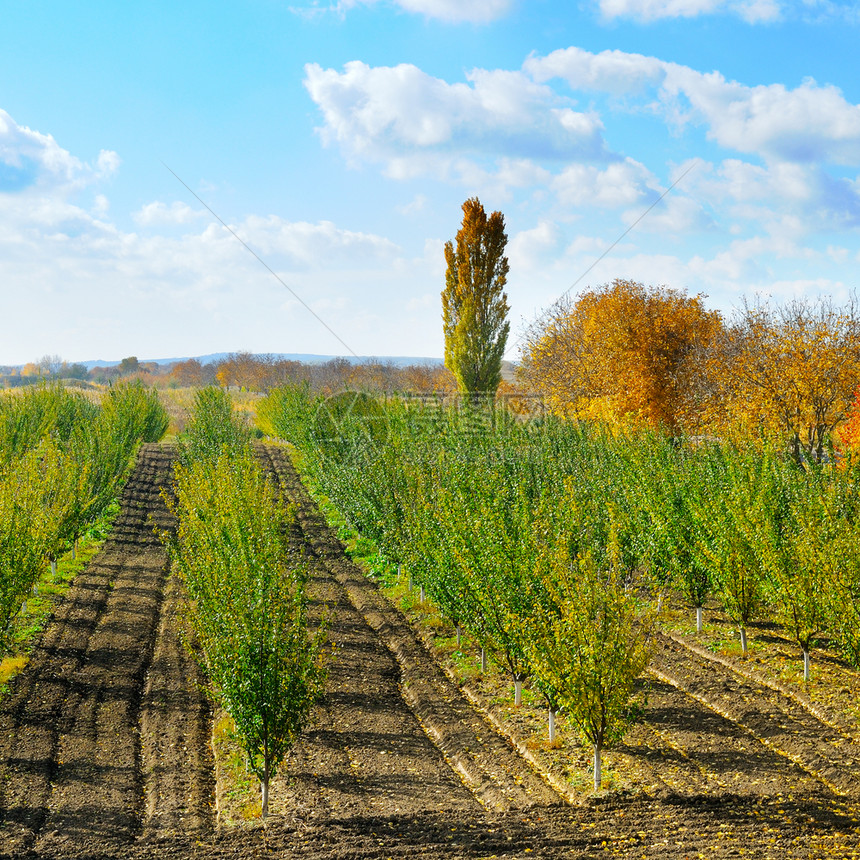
{"points": [[75, 549], [459, 636], [264, 798], [421, 595], [551, 725], [699, 614], [53, 568], [518, 692], [597, 769], [744, 641], [805, 664]]}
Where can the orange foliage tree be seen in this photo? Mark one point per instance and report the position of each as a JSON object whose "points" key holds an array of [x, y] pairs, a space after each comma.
{"points": [[787, 372], [622, 352]]}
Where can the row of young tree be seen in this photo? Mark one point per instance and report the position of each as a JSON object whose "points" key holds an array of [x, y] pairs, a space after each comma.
{"points": [[244, 579], [63, 460], [552, 542]]}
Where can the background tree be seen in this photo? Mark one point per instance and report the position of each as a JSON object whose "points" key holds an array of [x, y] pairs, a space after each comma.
{"points": [[621, 352], [786, 371], [129, 365], [474, 304]]}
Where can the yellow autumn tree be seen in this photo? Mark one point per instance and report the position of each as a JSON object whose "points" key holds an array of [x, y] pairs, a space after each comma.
{"points": [[786, 372], [621, 353], [474, 303]]}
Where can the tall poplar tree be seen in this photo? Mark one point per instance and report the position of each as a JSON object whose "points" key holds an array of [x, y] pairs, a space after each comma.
{"points": [[474, 303]]}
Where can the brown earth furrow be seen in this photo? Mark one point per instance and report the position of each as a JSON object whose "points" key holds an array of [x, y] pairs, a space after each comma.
{"points": [[486, 762], [773, 718], [826, 715], [364, 752], [175, 719], [96, 785], [69, 742], [713, 754]]}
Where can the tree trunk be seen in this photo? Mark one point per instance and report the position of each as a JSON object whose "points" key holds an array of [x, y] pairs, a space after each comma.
{"points": [[459, 636], [551, 725], [744, 650], [421, 595], [264, 794], [597, 768], [805, 663], [53, 568], [483, 660], [518, 692], [698, 619]]}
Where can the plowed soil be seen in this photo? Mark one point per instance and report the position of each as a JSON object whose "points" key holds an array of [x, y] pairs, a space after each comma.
{"points": [[104, 747]]}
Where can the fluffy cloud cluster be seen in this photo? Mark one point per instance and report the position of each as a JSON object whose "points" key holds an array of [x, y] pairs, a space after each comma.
{"points": [[513, 128], [401, 114], [810, 123], [31, 160]]}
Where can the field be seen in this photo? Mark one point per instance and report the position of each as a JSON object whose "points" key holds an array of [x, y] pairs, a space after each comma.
{"points": [[105, 737]]}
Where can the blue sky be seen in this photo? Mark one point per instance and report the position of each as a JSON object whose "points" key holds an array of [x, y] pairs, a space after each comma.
{"points": [[339, 140]]}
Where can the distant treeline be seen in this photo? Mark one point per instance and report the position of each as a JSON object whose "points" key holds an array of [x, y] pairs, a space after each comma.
{"points": [[248, 371]]}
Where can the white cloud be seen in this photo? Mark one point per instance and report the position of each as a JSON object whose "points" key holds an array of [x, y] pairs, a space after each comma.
{"points": [[807, 124], [159, 213], [101, 206], [417, 204], [617, 185], [416, 123], [753, 11], [529, 248], [810, 123], [615, 72], [474, 11], [31, 160], [105, 292], [451, 11], [778, 192], [321, 245], [673, 215]]}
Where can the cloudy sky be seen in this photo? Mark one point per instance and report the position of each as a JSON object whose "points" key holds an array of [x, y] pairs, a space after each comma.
{"points": [[709, 145]]}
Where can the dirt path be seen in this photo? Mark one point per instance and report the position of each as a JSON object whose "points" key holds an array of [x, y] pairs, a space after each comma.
{"points": [[74, 768]]}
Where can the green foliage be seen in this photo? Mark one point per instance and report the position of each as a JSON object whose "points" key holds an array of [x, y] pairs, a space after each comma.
{"points": [[470, 501], [588, 644], [135, 412], [246, 603], [27, 530], [214, 428], [38, 411], [62, 462]]}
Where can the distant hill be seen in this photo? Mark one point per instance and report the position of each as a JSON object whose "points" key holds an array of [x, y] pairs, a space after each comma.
{"points": [[305, 358]]}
